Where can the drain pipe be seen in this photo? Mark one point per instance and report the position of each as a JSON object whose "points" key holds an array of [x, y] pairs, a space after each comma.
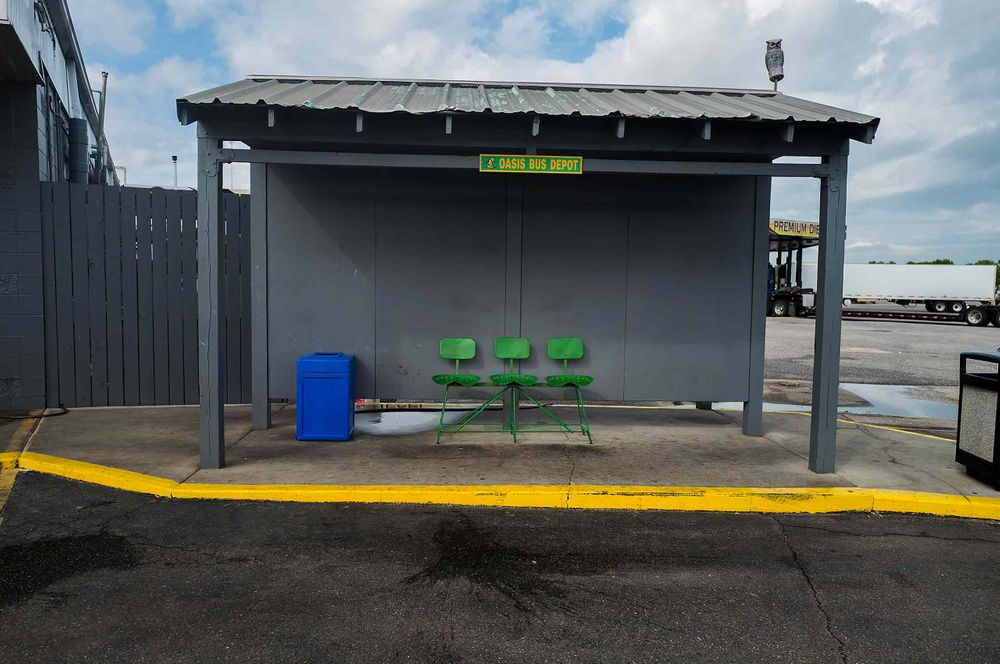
{"points": [[102, 145], [79, 151]]}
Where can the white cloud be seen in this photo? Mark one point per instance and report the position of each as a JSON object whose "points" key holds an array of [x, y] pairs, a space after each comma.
{"points": [[904, 60], [524, 25], [112, 25], [904, 249], [143, 131], [871, 66], [904, 16]]}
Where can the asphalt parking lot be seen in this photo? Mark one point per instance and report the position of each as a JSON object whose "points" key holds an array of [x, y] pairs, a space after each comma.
{"points": [[91, 574], [94, 574], [886, 352]]}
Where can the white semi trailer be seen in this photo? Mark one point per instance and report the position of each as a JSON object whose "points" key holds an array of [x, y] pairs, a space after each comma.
{"points": [[964, 290], [940, 288]]}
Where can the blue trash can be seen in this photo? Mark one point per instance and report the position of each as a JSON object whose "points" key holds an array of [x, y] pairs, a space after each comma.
{"points": [[325, 395]]}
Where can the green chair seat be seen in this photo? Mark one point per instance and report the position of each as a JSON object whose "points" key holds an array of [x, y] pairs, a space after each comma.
{"points": [[564, 380], [502, 379], [465, 380]]}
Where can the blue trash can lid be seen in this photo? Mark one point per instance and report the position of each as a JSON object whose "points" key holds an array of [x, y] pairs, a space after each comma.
{"points": [[326, 362]]}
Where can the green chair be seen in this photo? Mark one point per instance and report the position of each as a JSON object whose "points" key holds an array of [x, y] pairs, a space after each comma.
{"points": [[566, 349], [510, 349], [458, 350]]}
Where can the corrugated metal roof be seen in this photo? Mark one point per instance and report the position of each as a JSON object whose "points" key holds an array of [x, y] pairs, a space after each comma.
{"points": [[441, 96]]}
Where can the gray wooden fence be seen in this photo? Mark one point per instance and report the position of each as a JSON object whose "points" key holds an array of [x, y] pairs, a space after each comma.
{"points": [[119, 275]]}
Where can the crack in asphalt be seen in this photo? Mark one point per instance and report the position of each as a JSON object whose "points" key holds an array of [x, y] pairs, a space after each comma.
{"points": [[572, 463], [922, 535], [215, 557], [841, 647]]}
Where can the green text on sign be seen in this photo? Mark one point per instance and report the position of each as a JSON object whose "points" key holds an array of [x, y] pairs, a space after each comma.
{"points": [[529, 163]]}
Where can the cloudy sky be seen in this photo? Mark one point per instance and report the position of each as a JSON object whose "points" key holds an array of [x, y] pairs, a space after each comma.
{"points": [[928, 187]]}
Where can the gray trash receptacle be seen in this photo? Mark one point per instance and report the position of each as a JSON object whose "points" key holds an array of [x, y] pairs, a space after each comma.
{"points": [[979, 417]]}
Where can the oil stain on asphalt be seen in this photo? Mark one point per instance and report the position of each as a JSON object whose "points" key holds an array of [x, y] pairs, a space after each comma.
{"points": [[27, 569], [530, 581]]}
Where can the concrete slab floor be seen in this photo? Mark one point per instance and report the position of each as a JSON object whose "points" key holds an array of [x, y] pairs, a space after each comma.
{"points": [[156, 440], [632, 446]]}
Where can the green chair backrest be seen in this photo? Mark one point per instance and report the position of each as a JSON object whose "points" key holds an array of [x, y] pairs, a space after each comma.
{"points": [[565, 349], [454, 348], [510, 349]]}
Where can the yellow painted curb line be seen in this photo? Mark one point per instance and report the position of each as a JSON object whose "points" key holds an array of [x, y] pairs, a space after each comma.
{"points": [[8, 460], [802, 500], [912, 433], [96, 474]]}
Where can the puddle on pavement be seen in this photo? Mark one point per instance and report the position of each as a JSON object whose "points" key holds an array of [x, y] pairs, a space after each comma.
{"points": [[889, 400], [401, 422], [898, 401]]}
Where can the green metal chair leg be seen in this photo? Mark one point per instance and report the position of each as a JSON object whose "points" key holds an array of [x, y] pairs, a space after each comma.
{"points": [[517, 406], [477, 412], [444, 405], [473, 414], [584, 421], [552, 416]]}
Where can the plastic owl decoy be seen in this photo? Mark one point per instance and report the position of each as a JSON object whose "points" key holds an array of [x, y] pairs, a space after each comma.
{"points": [[774, 59]]}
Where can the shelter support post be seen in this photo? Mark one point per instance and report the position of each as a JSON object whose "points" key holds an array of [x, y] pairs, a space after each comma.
{"points": [[258, 297], [753, 409], [830, 287], [211, 303]]}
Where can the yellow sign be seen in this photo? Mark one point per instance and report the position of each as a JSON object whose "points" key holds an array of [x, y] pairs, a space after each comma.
{"points": [[792, 228], [530, 163]]}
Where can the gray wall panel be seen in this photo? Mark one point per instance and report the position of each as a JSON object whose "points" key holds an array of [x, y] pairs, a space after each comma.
{"points": [[688, 312], [321, 276], [573, 276], [652, 272], [441, 262]]}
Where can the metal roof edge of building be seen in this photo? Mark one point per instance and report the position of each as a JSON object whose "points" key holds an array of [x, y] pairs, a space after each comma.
{"points": [[444, 96], [507, 84]]}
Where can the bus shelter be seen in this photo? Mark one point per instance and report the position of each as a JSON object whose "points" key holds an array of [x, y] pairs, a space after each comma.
{"points": [[387, 214]]}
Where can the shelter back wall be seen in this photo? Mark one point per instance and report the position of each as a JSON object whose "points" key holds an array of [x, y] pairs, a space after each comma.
{"points": [[652, 272]]}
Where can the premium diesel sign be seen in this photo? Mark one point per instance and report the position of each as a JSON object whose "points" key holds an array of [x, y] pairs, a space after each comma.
{"points": [[793, 228], [530, 163]]}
